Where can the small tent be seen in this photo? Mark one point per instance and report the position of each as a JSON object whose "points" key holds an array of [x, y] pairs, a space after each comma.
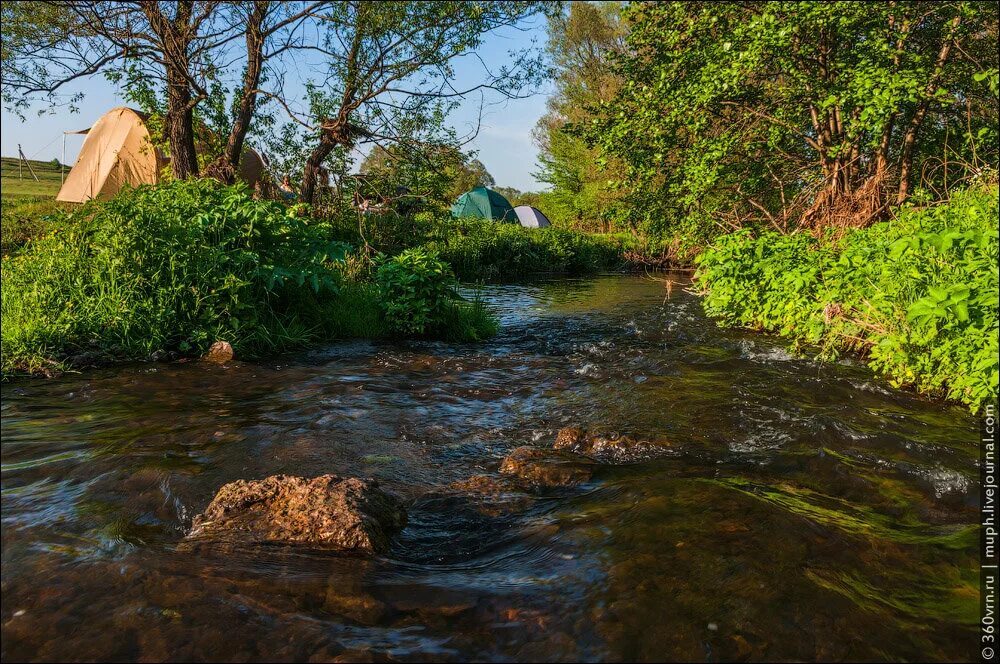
{"points": [[117, 152], [485, 204], [531, 217]]}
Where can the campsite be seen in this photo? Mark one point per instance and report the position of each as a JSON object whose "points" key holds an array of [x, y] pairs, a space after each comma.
{"points": [[345, 331]]}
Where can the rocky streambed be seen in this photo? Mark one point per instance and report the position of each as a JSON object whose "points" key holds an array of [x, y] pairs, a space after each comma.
{"points": [[355, 515], [613, 478]]}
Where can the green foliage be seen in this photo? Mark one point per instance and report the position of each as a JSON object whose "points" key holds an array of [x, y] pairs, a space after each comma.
{"points": [[584, 194], [487, 250], [170, 268], [418, 295], [434, 174], [483, 250], [760, 113], [415, 289], [918, 295]]}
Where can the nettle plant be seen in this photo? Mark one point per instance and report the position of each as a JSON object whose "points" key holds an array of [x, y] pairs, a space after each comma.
{"points": [[416, 289]]}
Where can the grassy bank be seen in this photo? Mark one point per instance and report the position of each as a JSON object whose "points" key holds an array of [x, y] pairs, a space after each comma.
{"points": [[17, 181], [168, 270], [27, 205], [24, 218], [916, 295], [481, 250]]}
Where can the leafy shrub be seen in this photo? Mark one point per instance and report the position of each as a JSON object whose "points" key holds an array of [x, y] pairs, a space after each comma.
{"points": [[415, 289], [169, 268], [917, 295]]}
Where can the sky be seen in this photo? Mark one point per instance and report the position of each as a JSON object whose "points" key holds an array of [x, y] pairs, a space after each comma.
{"points": [[504, 142]]}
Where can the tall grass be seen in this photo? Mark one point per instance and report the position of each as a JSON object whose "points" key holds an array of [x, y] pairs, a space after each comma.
{"points": [[25, 218], [484, 250], [173, 268]]}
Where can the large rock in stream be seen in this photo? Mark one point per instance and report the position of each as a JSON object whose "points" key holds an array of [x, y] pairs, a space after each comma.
{"points": [[349, 514], [611, 449]]}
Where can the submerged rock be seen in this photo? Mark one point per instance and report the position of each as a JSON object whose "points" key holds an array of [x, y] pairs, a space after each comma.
{"points": [[220, 352], [610, 449], [484, 485], [358, 606], [329, 511], [493, 496], [542, 467]]}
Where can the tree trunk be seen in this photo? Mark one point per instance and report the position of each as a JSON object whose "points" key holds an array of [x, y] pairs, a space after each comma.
{"points": [[233, 151], [910, 138], [174, 37], [313, 165], [180, 126]]}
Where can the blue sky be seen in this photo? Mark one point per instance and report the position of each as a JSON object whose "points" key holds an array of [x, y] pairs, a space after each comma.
{"points": [[504, 142]]}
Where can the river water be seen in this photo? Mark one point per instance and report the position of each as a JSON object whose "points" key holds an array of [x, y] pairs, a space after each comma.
{"points": [[808, 510]]}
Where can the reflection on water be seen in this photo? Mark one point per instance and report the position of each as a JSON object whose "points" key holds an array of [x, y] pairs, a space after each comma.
{"points": [[809, 512]]}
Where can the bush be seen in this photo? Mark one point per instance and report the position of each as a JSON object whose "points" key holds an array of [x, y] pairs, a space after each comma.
{"points": [[917, 295], [415, 290], [170, 268], [173, 268]]}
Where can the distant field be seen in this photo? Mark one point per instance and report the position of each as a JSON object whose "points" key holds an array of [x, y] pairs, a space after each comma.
{"points": [[25, 187]]}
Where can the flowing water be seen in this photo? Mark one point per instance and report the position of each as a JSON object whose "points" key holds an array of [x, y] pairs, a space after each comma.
{"points": [[808, 511]]}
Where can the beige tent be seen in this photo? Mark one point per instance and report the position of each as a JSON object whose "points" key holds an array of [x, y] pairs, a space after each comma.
{"points": [[117, 151]]}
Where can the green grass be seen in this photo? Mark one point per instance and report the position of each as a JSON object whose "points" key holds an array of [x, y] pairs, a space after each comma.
{"points": [[13, 185], [168, 270], [27, 205], [483, 250], [23, 219]]}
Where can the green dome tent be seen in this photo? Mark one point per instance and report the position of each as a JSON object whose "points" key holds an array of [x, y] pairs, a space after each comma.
{"points": [[485, 204]]}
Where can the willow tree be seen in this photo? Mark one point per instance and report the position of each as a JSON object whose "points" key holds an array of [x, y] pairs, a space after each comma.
{"points": [[169, 56], [381, 64], [800, 113]]}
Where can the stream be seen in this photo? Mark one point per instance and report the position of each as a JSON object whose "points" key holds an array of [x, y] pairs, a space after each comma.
{"points": [[807, 510]]}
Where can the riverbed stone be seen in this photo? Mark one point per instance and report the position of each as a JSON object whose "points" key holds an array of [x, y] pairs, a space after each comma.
{"points": [[611, 449], [349, 514], [541, 467], [354, 604], [485, 485], [219, 353]]}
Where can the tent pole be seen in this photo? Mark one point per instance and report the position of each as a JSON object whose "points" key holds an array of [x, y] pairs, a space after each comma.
{"points": [[62, 163], [20, 153]]}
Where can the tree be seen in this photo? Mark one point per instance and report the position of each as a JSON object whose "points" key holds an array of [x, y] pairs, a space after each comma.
{"points": [[381, 67], [171, 43], [167, 55], [582, 41], [270, 29], [388, 63], [437, 172], [795, 113]]}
